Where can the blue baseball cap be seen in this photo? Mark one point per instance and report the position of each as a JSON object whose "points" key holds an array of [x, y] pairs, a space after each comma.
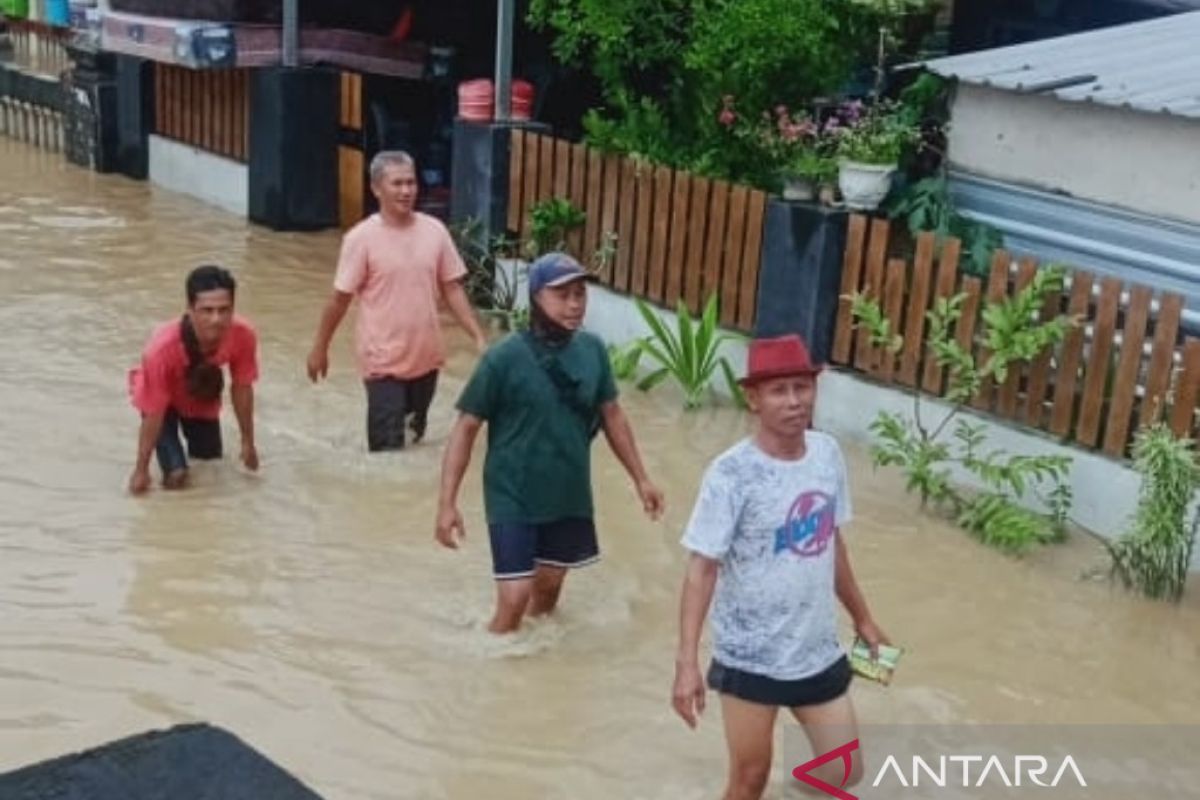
{"points": [[555, 269]]}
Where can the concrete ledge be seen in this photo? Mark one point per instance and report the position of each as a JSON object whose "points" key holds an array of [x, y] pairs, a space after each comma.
{"points": [[210, 178]]}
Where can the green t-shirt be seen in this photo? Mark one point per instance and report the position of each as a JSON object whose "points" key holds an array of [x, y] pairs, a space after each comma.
{"points": [[540, 429]]}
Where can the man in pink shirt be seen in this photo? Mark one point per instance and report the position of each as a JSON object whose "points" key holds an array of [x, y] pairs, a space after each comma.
{"points": [[398, 263], [179, 382]]}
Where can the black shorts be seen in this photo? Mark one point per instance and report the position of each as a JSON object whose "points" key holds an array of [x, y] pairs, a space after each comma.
{"points": [[390, 401], [518, 548], [829, 684]]}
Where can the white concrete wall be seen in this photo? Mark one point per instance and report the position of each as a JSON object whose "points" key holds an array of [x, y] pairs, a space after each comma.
{"points": [[1105, 490], [215, 180], [1144, 162]]}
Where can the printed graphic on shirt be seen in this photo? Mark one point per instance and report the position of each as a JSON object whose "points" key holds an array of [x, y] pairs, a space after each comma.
{"points": [[810, 525]]}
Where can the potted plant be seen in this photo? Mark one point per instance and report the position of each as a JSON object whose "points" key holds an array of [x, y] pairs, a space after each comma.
{"points": [[869, 141], [806, 172], [793, 157]]}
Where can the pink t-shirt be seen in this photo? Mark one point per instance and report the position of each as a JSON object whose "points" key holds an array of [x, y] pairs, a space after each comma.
{"points": [[398, 273], [160, 383]]}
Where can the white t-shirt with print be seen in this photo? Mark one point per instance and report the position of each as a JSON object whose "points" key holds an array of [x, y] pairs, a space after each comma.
{"points": [[772, 524]]}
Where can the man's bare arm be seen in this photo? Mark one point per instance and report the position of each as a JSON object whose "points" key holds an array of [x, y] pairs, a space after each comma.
{"points": [[460, 305], [331, 317], [457, 458]]}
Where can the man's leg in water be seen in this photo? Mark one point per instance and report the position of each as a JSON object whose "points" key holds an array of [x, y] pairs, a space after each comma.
{"points": [[749, 737], [561, 546], [547, 586], [172, 459], [512, 599], [386, 408], [420, 398], [830, 725], [513, 549]]}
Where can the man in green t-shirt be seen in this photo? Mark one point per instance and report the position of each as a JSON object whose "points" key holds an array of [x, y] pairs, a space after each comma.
{"points": [[544, 394]]}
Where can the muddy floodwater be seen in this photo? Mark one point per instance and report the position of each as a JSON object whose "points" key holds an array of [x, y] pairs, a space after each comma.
{"points": [[307, 610]]}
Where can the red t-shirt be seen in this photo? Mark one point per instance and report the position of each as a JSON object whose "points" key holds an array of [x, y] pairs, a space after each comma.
{"points": [[160, 382]]}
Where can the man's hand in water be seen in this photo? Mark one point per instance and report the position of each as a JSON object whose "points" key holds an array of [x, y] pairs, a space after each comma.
{"points": [[450, 531], [687, 696], [318, 365], [250, 456], [652, 499], [139, 481]]}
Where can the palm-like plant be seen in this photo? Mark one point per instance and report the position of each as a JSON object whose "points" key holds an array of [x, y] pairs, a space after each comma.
{"points": [[690, 354]]}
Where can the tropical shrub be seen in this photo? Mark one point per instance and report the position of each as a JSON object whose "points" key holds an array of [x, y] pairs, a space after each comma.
{"points": [[1153, 557], [665, 68], [689, 354], [1013, 335]]}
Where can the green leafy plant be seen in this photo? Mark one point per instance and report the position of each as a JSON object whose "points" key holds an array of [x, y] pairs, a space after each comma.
{"points": [[787, 144], [664, 68], [764, 52], [890, 16], [873, 134], [690, 354], [625, 359], [1153, 557], [550, 221], [928, 453], [492, 287], [926, 206]]}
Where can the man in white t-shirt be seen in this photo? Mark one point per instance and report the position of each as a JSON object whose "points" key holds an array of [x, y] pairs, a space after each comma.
{"points": [[764, 538]]}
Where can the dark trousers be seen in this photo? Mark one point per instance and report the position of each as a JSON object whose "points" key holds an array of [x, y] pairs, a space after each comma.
{"points": [[203, 441], [390, 401]]}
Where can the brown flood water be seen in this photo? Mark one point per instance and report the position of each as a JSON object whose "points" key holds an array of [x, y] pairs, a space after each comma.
{"points": [[307, 610]]}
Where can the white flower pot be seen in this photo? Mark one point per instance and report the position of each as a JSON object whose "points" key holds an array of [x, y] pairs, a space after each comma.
{"points": [[797, 188], [864, 185]]}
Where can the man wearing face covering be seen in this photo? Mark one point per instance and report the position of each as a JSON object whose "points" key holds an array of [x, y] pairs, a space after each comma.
{"points": [[544, 395]]}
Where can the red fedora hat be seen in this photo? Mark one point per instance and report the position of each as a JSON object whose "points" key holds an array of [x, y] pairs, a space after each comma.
{"points": [[778, 357]]}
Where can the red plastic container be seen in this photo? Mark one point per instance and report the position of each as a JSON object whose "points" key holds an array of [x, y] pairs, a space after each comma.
{"points": [[522, 100], [477, 100]]}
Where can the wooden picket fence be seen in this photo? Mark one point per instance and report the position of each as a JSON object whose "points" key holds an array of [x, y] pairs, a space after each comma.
{"points": [[1125, 365], [207, 109], [679, 236]]}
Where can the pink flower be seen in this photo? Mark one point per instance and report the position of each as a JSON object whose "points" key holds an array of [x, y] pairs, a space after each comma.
{"points": [[726, 117], [781, 110]]}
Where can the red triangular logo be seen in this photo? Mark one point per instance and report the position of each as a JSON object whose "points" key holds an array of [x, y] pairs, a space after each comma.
{"points": [[800, 773]]}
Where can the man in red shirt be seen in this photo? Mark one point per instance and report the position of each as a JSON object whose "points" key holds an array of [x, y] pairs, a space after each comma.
{"points": [[180, 382]]}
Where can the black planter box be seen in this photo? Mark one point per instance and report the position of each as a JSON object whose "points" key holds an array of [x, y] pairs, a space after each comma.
{"points": [[801, 273]]}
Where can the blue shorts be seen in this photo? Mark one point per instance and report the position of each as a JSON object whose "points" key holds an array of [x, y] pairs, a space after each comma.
{"points": [[518, 548]]}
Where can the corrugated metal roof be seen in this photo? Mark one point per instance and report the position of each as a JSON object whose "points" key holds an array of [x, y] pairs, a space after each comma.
{"points": [[1151, 66]]}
